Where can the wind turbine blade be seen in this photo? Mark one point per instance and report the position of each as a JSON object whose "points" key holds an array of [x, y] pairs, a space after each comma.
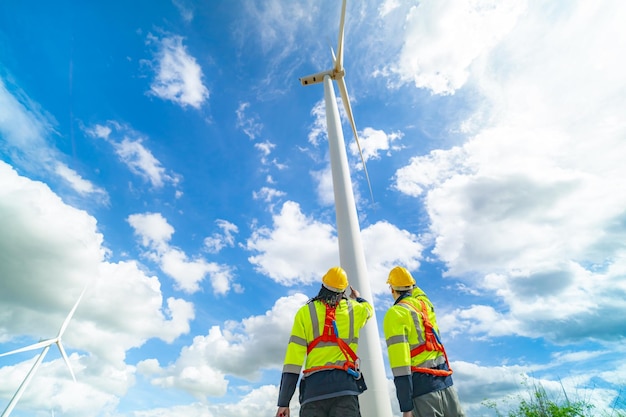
{"points": [[37, 345], [25, 382], [346, 104], [69, 316], [66, 359], [339, 60]]}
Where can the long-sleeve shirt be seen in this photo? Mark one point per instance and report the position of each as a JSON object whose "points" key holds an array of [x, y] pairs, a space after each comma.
{"points": [[404, 330], [350, 317]]}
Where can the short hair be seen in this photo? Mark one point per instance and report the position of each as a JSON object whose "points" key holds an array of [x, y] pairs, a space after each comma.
{"points": [[402, 292]]}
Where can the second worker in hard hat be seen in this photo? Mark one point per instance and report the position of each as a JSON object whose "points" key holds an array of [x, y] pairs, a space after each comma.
{"points": [[419, 363], [324, 339]]}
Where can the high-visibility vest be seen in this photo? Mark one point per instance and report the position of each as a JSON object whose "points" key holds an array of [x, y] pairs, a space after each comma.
{"points": [[312, 322], [407, 329], [330, 336], [431, 342]]}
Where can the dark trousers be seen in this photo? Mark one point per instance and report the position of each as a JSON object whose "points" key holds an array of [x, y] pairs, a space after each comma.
{"points": [[345, 406]]}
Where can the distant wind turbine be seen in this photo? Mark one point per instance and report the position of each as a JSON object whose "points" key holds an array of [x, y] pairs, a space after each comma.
{"points": [[375, 401], [45, 344]]}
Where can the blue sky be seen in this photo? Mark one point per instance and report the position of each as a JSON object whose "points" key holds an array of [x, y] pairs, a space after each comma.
{"points": [[164, 155]]}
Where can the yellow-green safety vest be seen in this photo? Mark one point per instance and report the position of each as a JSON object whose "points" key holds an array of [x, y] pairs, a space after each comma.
{"points": [[411, 334], [350, 317]]}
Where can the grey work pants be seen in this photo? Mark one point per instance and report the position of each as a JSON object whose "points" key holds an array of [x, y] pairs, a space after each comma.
{"points": [[442, 403]]}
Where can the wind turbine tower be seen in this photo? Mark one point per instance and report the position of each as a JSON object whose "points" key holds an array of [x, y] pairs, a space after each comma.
{"points": [[45, 344], [375, 402]]}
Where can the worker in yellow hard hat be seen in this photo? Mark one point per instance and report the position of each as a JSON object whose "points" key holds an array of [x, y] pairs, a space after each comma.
{"points": [[418, 359], [324, 339]]}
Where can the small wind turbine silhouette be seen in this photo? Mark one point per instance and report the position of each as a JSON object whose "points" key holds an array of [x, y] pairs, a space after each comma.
{"points": [[45, 344], [375, 401]]}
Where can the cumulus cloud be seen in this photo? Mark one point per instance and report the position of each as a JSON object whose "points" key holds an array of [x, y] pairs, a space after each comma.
{"points": [[218, 241], [526, 208], [58, 250], [154, 233], [324, 188], [373, 143], [178, 76], [298, 249], [241, 348], [259, 401], [442, 39]]}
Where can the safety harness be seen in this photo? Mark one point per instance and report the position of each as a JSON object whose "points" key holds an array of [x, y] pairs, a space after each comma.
{"points": [[431, 341], [330, 335]]}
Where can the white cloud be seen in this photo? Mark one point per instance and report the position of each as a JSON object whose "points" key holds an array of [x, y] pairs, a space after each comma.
{"points": [[153, 229], [388, 6], [299, 250], [268, 194], [248, 124], [373, 142], [185, 8], [218, 241], [324, 189], [129, 146], [56, 249], [240, 348], [78, 183], [24, 130], [155, 233], [442, 39], [140, 161], [318, 130], [178, 76], [259, 401], [385, 247], [527, 208]]}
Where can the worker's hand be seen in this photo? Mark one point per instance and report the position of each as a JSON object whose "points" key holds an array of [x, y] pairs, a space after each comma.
{"points": [[407, 414], [354, 294], [282, 412]]}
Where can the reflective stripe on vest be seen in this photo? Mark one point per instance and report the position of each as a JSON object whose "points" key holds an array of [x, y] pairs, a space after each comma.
{"points": [[429, 342], [330, 337]]}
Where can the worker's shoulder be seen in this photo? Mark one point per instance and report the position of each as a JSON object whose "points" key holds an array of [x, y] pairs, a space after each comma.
{"points": [[396, 309]]}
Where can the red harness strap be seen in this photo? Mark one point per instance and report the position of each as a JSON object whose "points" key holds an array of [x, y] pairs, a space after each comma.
{"points": [[330, 334], [431, 342]]}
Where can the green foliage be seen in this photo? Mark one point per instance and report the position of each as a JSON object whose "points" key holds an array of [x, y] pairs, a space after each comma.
{"points": [[539, 404]]}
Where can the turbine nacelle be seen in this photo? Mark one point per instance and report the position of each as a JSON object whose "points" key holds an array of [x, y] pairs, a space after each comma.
{"points": [[337, 73], [319, 77]]}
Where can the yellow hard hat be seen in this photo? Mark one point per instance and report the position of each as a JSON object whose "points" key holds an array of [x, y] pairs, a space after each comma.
{"points": [[335, 279], [400, 279]]}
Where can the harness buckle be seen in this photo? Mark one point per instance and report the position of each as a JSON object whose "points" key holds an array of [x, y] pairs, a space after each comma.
{"points": [[356, 372]]}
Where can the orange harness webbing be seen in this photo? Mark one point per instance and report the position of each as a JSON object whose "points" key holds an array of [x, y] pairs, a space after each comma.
{"points": [[431, 342], [330, 334]]}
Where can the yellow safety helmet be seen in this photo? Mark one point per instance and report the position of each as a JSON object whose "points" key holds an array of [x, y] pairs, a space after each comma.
{"points": [[335, 279], [400, 279]]}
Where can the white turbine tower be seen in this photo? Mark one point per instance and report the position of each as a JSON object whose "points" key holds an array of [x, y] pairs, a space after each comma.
{"points": [[375, 402], [45, 344]]}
